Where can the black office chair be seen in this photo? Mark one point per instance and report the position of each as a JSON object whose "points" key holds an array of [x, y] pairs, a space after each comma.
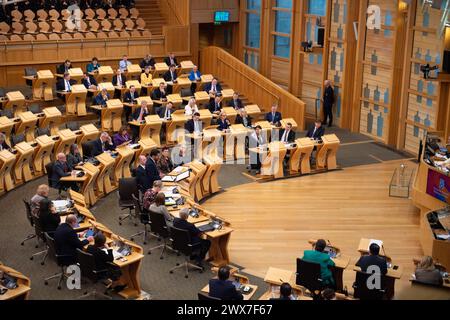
{"points": [[87, 148], [181, 241], [29, 71], [127, 187], [2, 92], [61, 260], [30, 220], [205, 297], [143, 218], [39, 232], [51, 182], [86, 262], [186, 92], [158, 228], [361, 290], [309, 276]]}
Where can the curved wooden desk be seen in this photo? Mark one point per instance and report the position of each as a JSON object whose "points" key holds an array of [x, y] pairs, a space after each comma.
{"points": [[43, 154]]}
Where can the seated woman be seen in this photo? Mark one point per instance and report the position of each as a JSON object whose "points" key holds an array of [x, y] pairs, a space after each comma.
{"points": [[48, 216], [190, 108], [74, 157], [159, 206], [223, 122], [426, 272], [164, 164], [122, 136], [3, 144]]}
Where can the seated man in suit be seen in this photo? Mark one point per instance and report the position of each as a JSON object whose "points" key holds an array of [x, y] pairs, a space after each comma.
{"points": [[41, 194], [373, 260], [257, 138], [223, 123], [151, 166], [236, 103], [194, 232], [170, 76], [142, 179], [171, 59], [243, 118], [102, 98], [104, 143], [215, 106], [285, 292], [274, 117], [67, 241], [213, 88], [103, 258], [139, 115], [65, 85], [159, 93], [148, 61], [194, 76], [119, 80], [319, 257], [124, 63], [130, 97], [222, 288], [166, 112], [61, 169], [317, 131], [93, 66], [287, 135], [89, 82], [64, 68]]}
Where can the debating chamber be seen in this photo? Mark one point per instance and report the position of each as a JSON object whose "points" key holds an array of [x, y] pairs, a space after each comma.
{"points": [[242, 151]]}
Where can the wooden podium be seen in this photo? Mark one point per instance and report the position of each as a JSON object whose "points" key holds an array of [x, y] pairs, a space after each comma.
{"points": [[135, 83], [185, 67], [284, 122], [152, 128], [176, 100], [253, 110], [175, 128], [76, 74], [211, 142], [160, 69], [147, 145], [27, 125], [6, 126], [193, 183], [272, 165], [15, 103], [210, 183], [181, 83], [227, 94], [76, 100], [92, 173], [22, 167], [300, 157], [134, 70], [201, 97], [43, 85], [104, 185], [326, 154], [111, 115], [42, 155], [89, 132], [108, 86], [123, 161], [7, 160], [104, 74], [66, 138], [238, 135], [231, 114], [51, 120]]}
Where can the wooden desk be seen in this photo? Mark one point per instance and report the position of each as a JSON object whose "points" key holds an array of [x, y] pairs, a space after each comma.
{"points": [[88, 190], [76, 74], [201, 97], [160, 69], [253, 110], [275, 277], [43, 85], [88, 132], [7, 160], [134, 70], [22, 167], [22, 292], [6, 126], [76, 100], [326, 154], [239, 133], [103, 183], [176, 100], [15, 103], [27, 125], [218, 252], [185, 67], [67, 137], [210, 182], [51, 120], [175, 128], [205, 79], [227, 94], [111, 115], [146, 145], [108, 86], [210, 143], [152, 129], [42, 155], [284, 122], [104, 74], [247, 297], [301, 156], [181, 83], [123, 161], [272, 162]]}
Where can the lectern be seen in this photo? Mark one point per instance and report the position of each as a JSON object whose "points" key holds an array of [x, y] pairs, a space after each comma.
{"points": [[76, 74], [227, 94], [6, 126], [15, 103], [133, 70], [284, 122], [76, 100], [104, 74], [272, 164], [210, 183], [175, 128], [65, 139], [237, 136], [87, 133], [300, 157], [111, 115], [326, 154], [42, 155], [160, 69], [152, 128], [211, 142], [7, 160], [89, 184], [135, 83], [123, 161], [253, 110], [51, 120], [201, 97], [43, 85], [27, 125], [181, 83], [108, 86], [104, 185], [22, 167], [146, 145]]}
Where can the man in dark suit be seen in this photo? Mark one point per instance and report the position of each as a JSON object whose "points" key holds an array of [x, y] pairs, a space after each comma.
{"points": [[222, 288], [194, 232], [213, 88], [194, 124], [148, 61], [373, 260], [171, 60], [317, 131], [236, 103], [67, 241], [89, 82], [130, 97], [328, 101], [142, 179], [159, 94], [243, 118], [65, 85], [170, 76], [64, 68], [104, 143], [287, 135], [151, 166], [215, 106], [119, 79], [139, 115], [223, 123], [166, 112], [61, 169], [274, 117], [102, 98]]}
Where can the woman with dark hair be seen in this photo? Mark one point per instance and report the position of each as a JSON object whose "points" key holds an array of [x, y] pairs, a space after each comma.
{"points": [[159, 206], [122, 136], [74, 157], [48, 216], [165, 164]]}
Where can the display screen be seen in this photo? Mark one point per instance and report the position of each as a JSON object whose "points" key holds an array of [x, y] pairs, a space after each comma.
{"points": [[221, 16], [438, 185]]}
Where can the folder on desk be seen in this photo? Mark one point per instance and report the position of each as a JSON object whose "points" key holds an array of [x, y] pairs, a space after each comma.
{"points": [[378, 242], [179, 177]]}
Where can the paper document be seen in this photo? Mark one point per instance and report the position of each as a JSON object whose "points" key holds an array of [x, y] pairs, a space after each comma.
{"points": [[117, 254], [378, 242], [168, 179]]}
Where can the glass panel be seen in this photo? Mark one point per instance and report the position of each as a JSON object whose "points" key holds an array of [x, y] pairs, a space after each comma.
{"points": [[283, 22], [283, 4], [254, 4], [253, 30], [282, 46], [317, 7]]}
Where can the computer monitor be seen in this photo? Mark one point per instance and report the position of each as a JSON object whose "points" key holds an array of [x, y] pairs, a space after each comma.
{"points": [[221, 16]]}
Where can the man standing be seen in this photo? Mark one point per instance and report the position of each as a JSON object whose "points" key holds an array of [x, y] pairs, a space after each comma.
{"points": [[151, 168], [328, 101]]}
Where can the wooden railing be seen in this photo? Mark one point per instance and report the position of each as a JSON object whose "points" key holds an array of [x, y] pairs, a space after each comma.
{"points": [[253, 85]]}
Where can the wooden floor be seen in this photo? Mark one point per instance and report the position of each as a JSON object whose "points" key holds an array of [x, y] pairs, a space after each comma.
{"points": [[273, 221]]}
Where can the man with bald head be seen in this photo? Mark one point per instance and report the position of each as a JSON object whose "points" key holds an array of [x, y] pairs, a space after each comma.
{"points": [[142, 178], [67, 241], [61, 169], [328, 101]]}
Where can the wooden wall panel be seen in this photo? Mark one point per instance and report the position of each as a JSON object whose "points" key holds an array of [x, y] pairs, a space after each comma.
{"points": [[176, 39], [280, 72], [203, 11]]}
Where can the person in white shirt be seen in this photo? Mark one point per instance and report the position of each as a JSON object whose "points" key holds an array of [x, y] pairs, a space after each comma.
{"points": [[124, 63], [191, 107]]}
